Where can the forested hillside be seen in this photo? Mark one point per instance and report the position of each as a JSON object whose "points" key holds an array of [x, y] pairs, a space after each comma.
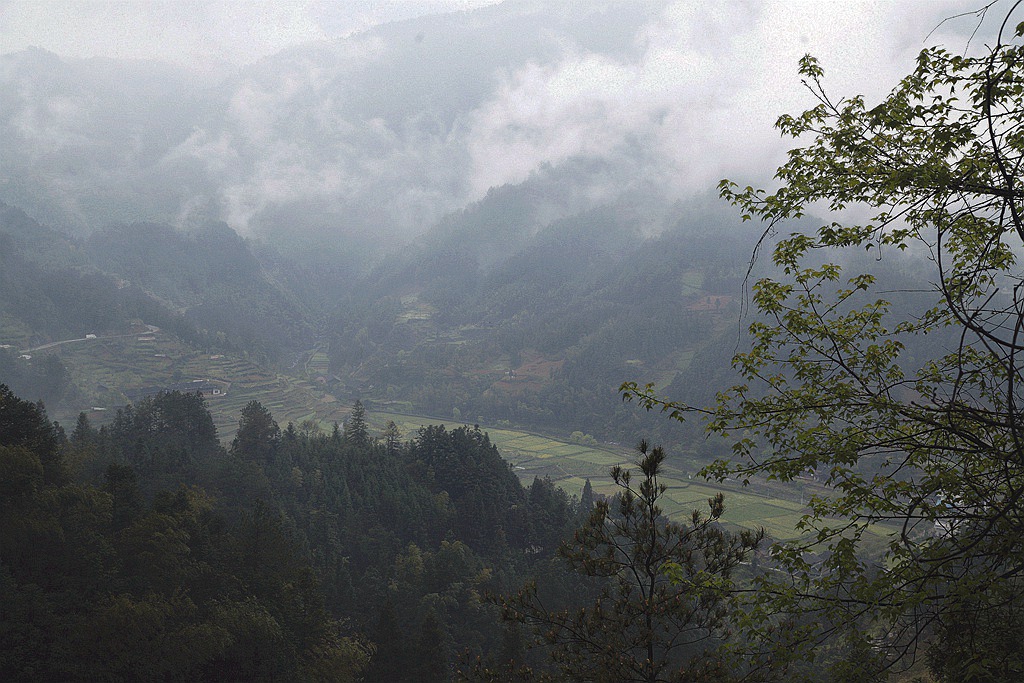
{"points": [[291, 210], [541, 328], [305, 144], [146, 549]]}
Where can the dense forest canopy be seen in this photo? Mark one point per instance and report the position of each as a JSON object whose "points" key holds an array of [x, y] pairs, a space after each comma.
{"points": [[146, 549]]}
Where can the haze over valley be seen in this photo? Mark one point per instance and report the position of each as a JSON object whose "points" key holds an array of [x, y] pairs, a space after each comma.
{"points": [[433, 203]]}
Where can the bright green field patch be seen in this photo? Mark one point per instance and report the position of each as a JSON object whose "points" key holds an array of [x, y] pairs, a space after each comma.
{"points": [[574, 467], [763, 510], [574, 485], [568, 450], [528, 443], [685, 502], [602, 459], [779, 517], [784, 528], [523, 443]]}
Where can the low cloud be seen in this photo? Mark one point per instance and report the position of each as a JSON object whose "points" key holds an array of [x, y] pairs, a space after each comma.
{"points": [[328, 135], [205, 36], [701, 91]]}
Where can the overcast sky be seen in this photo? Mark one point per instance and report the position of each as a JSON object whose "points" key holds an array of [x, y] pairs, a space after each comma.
{"points": [[865, 45], [240, 31], [197, 33], [704, 86]]}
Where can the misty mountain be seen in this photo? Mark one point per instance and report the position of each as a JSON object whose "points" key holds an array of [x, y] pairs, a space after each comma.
{"points": [[216, 279], [476, 212], [368, 139], [48, 289], [522, 308], [501, 311], [209, 288], [85, 139], [504, 313]]}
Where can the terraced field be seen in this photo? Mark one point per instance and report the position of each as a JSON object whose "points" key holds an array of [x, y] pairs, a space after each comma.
{"points": [[110, 371], [318, 365]]}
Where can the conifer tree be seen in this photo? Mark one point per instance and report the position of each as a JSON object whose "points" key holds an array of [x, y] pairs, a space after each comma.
{"points": [[257, 435], [355, 432], [83, 433], [663, 606], [392, 437], [587, 498]]}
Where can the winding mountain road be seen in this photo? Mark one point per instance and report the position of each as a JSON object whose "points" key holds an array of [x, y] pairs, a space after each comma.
{"points": [[150, 329]]}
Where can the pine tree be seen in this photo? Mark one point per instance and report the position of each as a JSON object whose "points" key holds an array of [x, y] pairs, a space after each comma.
{"points": [[126, 503], [392, 437], [355, 432], [430, 650], [388, 661], [26, 424], [83, 434], [257, 435], [587, 498], [663, 601]]}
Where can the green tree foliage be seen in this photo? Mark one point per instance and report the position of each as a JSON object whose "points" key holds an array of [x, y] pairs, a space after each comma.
{"points": [[662, 609], [404, 539], [258, 434], [84, 433], [392, 438], [466, 466], [429, 650], [96, 584], [51, 286], [586, 295], [387, 662], [25, 424], [292, 555], [355, 432], [122, 485], [168, 439], [214, 275], [982, 640], [433, 597], [587, 498], [550, 514], [926, 449]]}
